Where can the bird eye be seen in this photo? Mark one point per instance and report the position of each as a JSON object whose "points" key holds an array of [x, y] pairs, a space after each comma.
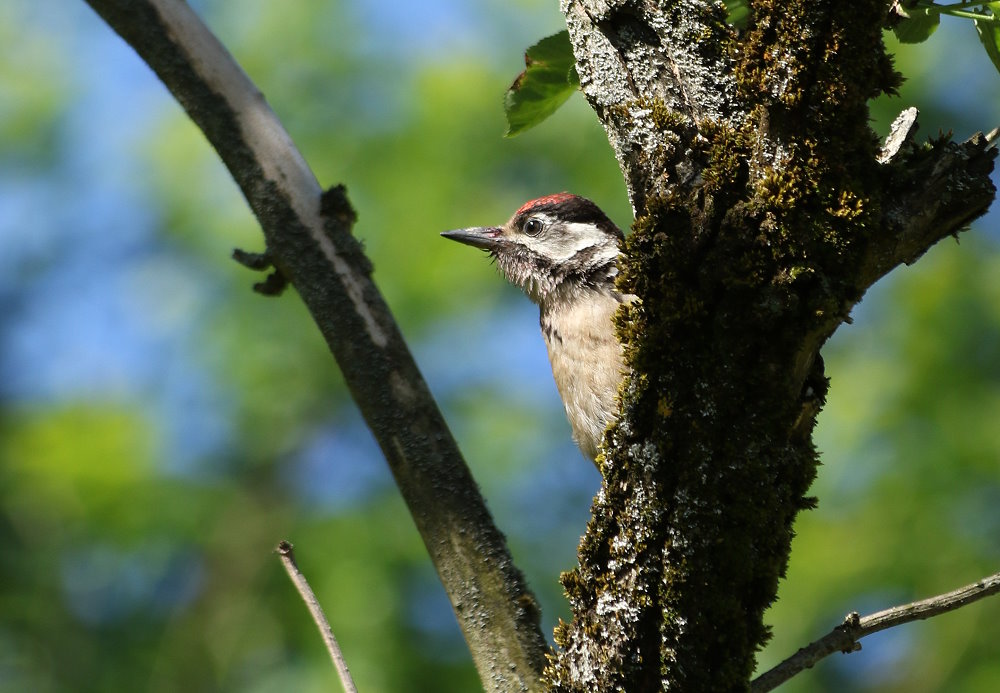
{"points": [[533, 227]]}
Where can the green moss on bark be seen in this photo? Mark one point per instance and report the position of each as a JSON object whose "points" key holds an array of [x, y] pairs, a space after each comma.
{"points": [[742, 272]]}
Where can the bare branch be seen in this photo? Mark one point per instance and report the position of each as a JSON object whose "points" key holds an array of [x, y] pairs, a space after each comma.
{"points": [[844, 638], [284, 550], [936, 189], [309, 241]]}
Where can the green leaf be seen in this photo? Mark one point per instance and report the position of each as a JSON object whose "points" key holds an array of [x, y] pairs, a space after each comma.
{"points": [[989, 34], [738, 13], [918, 25], [548, 80]]}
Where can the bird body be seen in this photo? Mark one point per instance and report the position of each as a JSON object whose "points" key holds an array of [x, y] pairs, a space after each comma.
{"points": [[586, 359], [562, 251]]}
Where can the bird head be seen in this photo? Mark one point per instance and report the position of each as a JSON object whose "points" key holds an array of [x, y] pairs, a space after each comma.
{"points": [[548, 242]]}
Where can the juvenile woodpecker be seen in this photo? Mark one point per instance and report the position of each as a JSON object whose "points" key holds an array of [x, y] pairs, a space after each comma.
{"points": [[562, 251]]}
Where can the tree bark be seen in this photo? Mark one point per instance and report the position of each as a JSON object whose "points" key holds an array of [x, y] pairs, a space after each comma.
{"points": [[764, 210], [308, 236]]}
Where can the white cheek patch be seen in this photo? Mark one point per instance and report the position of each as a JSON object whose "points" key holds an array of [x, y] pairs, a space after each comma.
{"points": [[563, 246], [608, 253]]}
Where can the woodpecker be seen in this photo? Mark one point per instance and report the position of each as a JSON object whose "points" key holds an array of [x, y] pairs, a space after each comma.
{"points": [[562, 251]]}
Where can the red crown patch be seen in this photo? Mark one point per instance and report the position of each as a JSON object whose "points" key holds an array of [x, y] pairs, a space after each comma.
{"points": [[547, 200]]}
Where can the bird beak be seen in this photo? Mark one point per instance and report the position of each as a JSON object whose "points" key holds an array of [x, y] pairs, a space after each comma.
{"points": [[485, 237]]}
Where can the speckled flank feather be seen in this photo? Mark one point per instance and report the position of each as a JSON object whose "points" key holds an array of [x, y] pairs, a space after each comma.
{"points": [[587, 360]]}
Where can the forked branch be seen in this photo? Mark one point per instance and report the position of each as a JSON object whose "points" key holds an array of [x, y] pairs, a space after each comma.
{"points": [[844, 638], [936, 189]]}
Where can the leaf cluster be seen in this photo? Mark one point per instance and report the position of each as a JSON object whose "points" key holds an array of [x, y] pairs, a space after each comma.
{"points": [[916, 20]]}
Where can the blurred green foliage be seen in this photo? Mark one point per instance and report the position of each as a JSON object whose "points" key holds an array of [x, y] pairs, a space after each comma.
{"points": [[910, 488], [162, 427]]}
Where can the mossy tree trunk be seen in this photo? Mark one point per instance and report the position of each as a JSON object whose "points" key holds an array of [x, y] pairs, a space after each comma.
{"points": [[765, 208]]}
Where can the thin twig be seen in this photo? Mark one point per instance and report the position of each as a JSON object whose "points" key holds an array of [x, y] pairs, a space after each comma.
{"points": [[844, 638], [284, 550]]}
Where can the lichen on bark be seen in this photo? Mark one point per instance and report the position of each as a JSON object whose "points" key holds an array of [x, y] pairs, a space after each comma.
{"points": [[754, 173]]}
